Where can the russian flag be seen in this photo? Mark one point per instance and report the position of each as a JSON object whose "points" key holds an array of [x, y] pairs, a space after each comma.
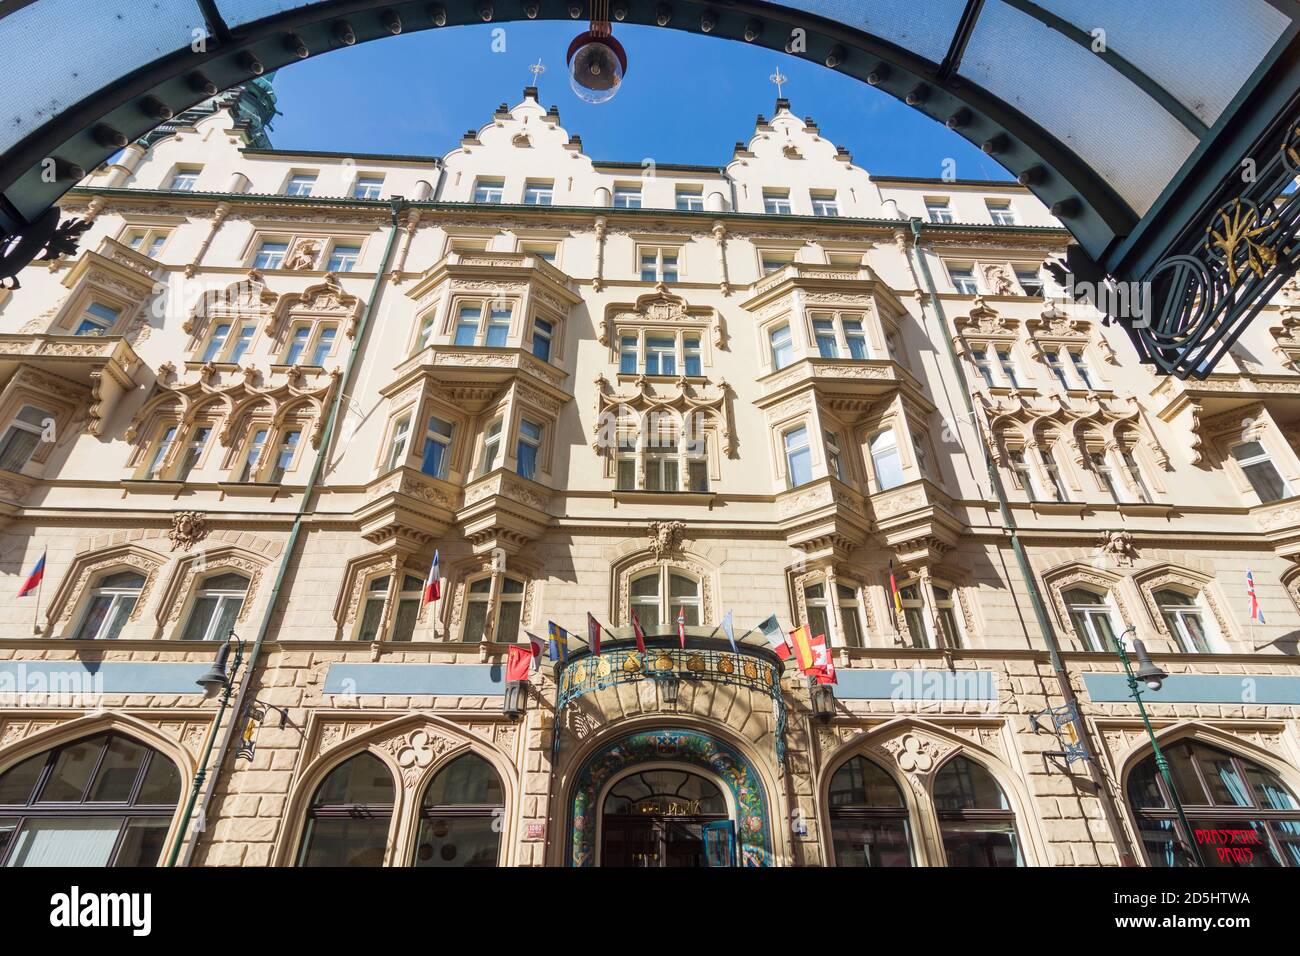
{"points": [[433, 585], [33, 579]]}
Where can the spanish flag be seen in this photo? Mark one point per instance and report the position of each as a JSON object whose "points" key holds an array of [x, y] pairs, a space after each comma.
{"points": [[802, 642], [893, 588]]}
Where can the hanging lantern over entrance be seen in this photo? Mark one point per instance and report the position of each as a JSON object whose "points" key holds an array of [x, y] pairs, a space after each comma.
{"points": [[597, 62]]}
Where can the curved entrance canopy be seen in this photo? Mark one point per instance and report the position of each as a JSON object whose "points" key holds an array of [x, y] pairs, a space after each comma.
{"points": [[1130, 121]]}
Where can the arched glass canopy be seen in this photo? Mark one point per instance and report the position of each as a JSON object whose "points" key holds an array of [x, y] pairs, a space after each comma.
{"points": [[1130, 121]]}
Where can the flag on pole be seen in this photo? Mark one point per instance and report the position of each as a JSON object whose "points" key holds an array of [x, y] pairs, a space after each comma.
{"points": [[640, 634], [518, 660], [802, 643], [433, 584], [1256, 612], [681, 626], [893, 588], [729, 628], [559, 649], [593, 634], [535, 645], [775, 638], [823, 669], [34, 579]]}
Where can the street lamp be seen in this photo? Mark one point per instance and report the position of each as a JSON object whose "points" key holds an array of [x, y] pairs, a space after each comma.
{"points": [[669, 684], [1151, 675], [516, 699], [823, 701], [217, 680]]}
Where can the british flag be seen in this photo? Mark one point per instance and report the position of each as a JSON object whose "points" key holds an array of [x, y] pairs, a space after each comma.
{"points": [[1256, 612]]}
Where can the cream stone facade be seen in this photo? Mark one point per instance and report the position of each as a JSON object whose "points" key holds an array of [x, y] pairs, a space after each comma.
{"points": [[614, 388]]}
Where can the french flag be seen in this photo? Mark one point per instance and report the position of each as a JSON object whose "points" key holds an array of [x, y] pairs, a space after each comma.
{"points": [[433, 585], [33, 579]]}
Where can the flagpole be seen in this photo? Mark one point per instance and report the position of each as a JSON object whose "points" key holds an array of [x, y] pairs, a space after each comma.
{"points": [[36, 617]]}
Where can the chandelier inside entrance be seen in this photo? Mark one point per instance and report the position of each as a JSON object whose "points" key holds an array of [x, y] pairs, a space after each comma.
{"points": [[597, 62]]}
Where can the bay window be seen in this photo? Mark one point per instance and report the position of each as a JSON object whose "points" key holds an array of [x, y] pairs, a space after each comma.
{"points": [[1260, 471], [798, 456], [885, 459], [397, 445], [782, 346], [23, 437], [528, 448], [437, 447], [491, 447]]}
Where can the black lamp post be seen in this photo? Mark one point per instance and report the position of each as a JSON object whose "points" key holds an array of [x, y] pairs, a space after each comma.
{"points": [[216, 681], [823, 700], [1151, 675]]}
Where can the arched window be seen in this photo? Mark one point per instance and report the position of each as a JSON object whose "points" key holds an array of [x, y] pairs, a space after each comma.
{"points": [[105, 800], [869, 825], [1240, 812], [111, 603], [460, 816], [1185, 619], [976, 822], [509, 610], [216, 606], [1090, 616], [650, 593], [349, 817], [407, 611]]}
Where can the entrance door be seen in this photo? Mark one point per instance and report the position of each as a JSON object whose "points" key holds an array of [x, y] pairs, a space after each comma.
{"points": [[663, 818]]}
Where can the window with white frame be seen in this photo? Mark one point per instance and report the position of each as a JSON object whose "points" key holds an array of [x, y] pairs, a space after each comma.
{"points": [[300, 184], [938, 210], [1101, 467], [252, 456], [690, 198], [771, 262], [528, 448], [834, 459], [625, 458], [850, 615], [1091, 619], [228, 341], [1259, 469], [825, 204], [372, 608], [1000, 212], [546, 251], [539, 193], [509, 610], [660, 355], [697, 464], [1080, 366], [193, 452], [343, 258], [921, 452], [1024, 474], [489, 190], [1056, 485], [782, 344], [627, 197], [665, 588], [543, 334], [284, 455], [963, 279], [1185, 619], [946, 616], [491, 447], [1007, 365], [400, 442], [161, 448], [817, 607], [798, 456], [185, 178], [310, 344], [367, 187], [408, 608], [150, 242], [406, 612], [484, 323], [776, 202], [665, 353], [23, 437], [885, 459], [1056, 364], [909, 595], [97, 319], [659, 263], [1031, 282], [270, 254], [1128, 458], [217, 603], [840, 335], [438, 435], [111, 602]]}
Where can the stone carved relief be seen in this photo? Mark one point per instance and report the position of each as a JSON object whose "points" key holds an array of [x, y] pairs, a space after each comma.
{"points": [[916, 755], [303, 256], [1117, 546], [188, 528], [665, 537], [417, 750]]}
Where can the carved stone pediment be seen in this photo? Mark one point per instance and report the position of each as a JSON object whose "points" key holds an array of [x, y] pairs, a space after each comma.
{"points": [[660, 307]]}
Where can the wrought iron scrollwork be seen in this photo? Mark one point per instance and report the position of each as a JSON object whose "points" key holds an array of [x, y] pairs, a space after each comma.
{"points": [[44, 238]]}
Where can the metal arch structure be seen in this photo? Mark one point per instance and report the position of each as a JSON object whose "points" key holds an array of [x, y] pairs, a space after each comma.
{"points": [[1161, 133]]}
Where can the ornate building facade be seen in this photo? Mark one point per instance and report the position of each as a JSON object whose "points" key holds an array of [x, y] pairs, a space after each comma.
{"points": [[272, 383]]}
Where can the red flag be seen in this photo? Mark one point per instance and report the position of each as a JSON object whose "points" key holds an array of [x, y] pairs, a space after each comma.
{"points": [[681, 626], [518, 661], [593, 634], [823, 668], [34, 578], [802, 644], [433, 584], [640, 634]]}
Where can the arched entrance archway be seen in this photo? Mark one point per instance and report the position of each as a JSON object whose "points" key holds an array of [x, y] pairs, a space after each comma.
{"points": [[697, 754]]}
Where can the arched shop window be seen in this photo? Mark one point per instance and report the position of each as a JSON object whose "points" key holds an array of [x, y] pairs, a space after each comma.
{"points": [[461, 816], [349, 817], [869, 825], [1241, 813], [976, 822], [105, 800]]}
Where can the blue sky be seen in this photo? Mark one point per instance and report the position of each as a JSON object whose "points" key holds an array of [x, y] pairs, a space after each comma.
{"points": [[687, 99]]}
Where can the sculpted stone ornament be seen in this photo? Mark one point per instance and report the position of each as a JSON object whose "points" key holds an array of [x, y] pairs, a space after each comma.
{"points": [[666, 537], [304, 256], [188, 528], [1118, 545]]}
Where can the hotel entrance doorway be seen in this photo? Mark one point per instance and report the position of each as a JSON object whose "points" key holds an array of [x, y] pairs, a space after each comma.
{"points": [[664, 817]]}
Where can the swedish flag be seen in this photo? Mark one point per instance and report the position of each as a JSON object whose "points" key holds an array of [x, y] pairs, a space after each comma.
{"points": [[559, 642]]}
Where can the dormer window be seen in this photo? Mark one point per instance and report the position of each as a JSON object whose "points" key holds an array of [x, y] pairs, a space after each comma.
{"points": [[98, 319], [539, 193], [1000, 212], [367, 187], [300, 184], [938, 210], [776, 202], [489, 191], [627, 197], [825, 204], [690, 199], [184, 179]]}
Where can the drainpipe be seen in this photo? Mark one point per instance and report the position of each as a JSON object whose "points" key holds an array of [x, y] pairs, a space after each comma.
{"points": [[397, 205], [1108, 803]]}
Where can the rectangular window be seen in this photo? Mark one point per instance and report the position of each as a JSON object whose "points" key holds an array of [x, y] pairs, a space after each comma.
{"points": [[697, 465], [690, 199], [1029, 280], [661, 469], [775, 262], [834, 460], [824, 336], [284, 457], [217, 350], [542, 250], [798, 456], [300, 184], [913, 617], [627, 197], [660, 356], [147, 241], [367, 187], [467, 324], [856, 338], [649, 266], [825, 204], [668, 270], [324, 344], [776, 202], [1023, 473], [163, 446], [1106, 477], [539, 193], [1080, 368], [984, 365], [498, 328], [963, 279], [528, 448], [254, 456], [1000, 212], [1260, 471], [658, 265], [1057, 367], [297, 345], [98, 319], [185, 179], [490, 191], [848, 600], [397, 446], [1053, 473], [491, 447], [625, 468], [627, 355], [1135, 475], [437, 447], [1007, 366], [343, 258], [691, 356], [782, 347], [938, 210], [270, 255], [22, 438], [886, 460], [193, 452], [543, 331]]}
